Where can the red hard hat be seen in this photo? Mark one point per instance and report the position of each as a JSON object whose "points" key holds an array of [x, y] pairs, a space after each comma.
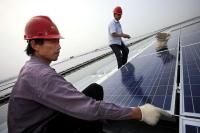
{"points": [[117, 10], [41, 27]]}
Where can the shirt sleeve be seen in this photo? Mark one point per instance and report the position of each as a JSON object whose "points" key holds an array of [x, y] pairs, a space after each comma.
{"points": [[112, 28], [60, 95]]}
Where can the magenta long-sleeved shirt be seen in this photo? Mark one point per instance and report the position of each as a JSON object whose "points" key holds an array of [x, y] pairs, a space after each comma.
{"points": [[40, 92]]}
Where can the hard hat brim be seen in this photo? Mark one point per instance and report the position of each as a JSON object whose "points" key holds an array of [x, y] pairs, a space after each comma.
{"points": [[44, 37]]}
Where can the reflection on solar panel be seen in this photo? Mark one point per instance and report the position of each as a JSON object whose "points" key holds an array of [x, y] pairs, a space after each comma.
{"points": [[145, 79], [191, 80], [188, 125]]}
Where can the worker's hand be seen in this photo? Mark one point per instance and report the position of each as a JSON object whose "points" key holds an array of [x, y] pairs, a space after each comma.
{"points": [[152, 114], [126, 36]]}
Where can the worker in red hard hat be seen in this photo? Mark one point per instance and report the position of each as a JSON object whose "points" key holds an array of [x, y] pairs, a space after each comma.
{"points": [[115, 38], [42, 101]]}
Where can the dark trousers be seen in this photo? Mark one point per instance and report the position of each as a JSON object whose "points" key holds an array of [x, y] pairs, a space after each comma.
{"points": [[121, 53], [63, 123]]}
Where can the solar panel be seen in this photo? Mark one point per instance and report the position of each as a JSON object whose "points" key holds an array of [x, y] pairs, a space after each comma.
{"points": [[189, 125], [190, 77], [190, 35], [190, 38], [145, 79]]}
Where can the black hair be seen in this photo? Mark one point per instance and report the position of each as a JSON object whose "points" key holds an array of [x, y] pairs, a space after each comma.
{"points": [[29, 50]]}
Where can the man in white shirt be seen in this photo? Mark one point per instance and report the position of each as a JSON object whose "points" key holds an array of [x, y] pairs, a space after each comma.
{"points": [[115, 38]]}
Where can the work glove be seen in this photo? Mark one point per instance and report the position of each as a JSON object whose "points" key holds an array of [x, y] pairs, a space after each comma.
{"points": [[152, 114]]}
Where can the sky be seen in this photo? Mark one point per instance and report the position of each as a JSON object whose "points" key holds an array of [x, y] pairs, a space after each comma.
{"points": [[83, 23]]}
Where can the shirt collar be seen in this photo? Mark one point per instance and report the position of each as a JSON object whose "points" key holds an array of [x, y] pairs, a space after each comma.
{"points": [[116, 21], [37, 59]]}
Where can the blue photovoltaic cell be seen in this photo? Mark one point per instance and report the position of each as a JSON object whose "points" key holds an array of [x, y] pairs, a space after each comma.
{"points": [[191, 79], [190, 35], [192, 129], [147, 79]]}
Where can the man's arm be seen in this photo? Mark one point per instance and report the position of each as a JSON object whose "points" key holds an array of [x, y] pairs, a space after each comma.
{"points": [[113, 31], [58, 94], [136, 113], [120, 35]]}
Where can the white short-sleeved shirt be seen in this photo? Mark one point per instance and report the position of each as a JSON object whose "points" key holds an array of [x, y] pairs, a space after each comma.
{"points": [[114, 26]]}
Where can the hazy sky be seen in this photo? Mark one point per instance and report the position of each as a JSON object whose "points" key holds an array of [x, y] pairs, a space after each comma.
{"points": [[83, 23]]}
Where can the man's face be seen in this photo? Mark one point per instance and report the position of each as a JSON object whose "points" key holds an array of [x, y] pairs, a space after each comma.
{"points": [[49, 50], [117, 16]]}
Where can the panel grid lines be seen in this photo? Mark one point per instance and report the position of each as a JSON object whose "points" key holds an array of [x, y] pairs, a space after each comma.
{"points": [[190, 86], [191, 79], [147, 79], [153, 84], [157, 86]]}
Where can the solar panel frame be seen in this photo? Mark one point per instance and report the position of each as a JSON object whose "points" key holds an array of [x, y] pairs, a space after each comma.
{"points": [[183, 122], [186, 24], [175, 81], [182, 100]]}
